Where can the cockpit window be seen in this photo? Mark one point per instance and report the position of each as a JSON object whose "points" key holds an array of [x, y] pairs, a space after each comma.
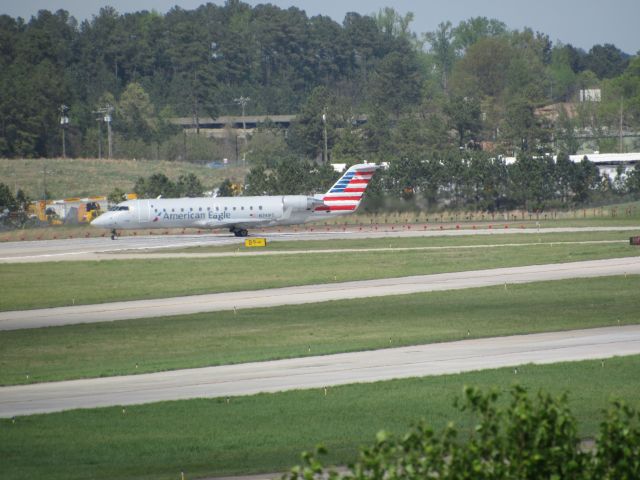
{"points": [[119, 208]]}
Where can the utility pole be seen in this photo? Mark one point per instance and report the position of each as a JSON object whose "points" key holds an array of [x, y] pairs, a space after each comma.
{"points": [[105, 116], [100, 138], [621, 115], [242, 101], [64, 122], [325, 154]]}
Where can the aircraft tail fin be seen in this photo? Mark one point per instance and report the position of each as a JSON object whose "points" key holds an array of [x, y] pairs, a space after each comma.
{"points": [[346, 193]]}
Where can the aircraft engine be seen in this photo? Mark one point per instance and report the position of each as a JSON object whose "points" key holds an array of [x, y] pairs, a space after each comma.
{"points": [[300, 203]]}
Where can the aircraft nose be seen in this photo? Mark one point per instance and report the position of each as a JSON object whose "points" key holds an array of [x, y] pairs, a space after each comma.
{"points": [[101, 221]]}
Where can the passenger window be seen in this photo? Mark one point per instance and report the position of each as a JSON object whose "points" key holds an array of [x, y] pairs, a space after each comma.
{"points": [[234, 208], [260, 207], [251, 208], [241, 208]]}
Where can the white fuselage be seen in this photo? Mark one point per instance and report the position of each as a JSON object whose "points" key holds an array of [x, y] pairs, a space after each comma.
{"points": [[214, 212], [238, 214]]}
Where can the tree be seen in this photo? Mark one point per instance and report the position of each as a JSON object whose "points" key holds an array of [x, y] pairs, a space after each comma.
{"points": [[377, 135], [565, 172], [155, 186], [482, 70], [22, 200], [443, 50], [392, 24], [136, 114], [7, 200], [464, 117], [627, 87], [532, 437], [225, 189], [532, 181], [606, 61], [632, 183], [523, 130], [585, 181], [190, 52], [395, 85], [565, 133], [349, 146], [488, 180], [116, 196], [189, 186], [470, 31], [266, 147], [561, 75], [258, 181], [306, 135]]}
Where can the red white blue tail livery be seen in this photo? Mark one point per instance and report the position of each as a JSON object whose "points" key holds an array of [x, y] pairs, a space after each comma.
{"points": [[346, 193]]}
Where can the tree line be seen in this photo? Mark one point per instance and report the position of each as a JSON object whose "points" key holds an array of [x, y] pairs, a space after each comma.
{"points": [[477, 81], [460, 180], [437, 106]]}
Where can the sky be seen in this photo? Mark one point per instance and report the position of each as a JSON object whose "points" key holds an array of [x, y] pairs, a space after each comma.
{"points": [[582, 23]]}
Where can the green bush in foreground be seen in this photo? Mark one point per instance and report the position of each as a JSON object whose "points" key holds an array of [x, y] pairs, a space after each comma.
{"points": [[529, 439]]}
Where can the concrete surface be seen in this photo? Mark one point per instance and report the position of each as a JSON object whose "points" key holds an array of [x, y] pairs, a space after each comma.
{"points": [[106, 249], [322, 371], [48, 317]]}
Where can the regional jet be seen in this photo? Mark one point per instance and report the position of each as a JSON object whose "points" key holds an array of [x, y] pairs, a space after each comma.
{"points": [[238, 214]]}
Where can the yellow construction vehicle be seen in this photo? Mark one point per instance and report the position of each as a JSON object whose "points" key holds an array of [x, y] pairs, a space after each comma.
{"points": [[88, 211]]}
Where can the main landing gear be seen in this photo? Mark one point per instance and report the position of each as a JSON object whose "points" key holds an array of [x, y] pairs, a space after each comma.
{"points": [[114, 234], [239, 232]]}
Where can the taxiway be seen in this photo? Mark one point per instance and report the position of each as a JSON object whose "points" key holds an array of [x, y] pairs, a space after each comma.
{"points": [[104, 312], [103, 248], [323, 371]]}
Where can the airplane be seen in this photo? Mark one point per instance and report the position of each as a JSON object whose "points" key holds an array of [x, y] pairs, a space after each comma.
{"points": [[238, 214]]}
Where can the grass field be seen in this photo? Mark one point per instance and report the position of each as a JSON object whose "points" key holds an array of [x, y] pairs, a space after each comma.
{"points": [[84, 177], [149, 345], [439, 242], [267, 432], [66, 283]]}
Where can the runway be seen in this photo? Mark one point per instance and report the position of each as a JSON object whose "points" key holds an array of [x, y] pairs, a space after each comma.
{"points": [[49, 317], [76, 249], [323, 371]]}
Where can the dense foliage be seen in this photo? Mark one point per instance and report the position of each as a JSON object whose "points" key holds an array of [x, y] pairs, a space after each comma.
{"points": [[441, 107], [531, 438]]}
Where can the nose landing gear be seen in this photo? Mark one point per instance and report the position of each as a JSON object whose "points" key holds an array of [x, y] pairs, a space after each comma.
{"points": [[114, 234]]}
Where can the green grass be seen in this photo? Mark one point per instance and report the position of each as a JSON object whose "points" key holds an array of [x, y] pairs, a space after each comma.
{"points": [[498, 239], [267, 432], [606, 213], [85, 177], [149, 345], [36, 285]]}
